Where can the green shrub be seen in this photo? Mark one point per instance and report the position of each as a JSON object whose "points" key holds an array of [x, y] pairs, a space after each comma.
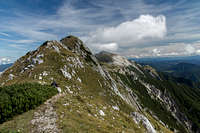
{"points": [[9, 131], [19, 98]]}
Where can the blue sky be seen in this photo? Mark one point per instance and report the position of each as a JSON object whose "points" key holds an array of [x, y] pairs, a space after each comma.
{"points": [[133, 28]]}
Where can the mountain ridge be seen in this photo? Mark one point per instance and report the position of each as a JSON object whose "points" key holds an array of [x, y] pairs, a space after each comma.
{"points": [[103, 92]]}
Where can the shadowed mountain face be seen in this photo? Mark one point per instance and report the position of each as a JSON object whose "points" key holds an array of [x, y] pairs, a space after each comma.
{"points": [[183, 71], [100, 93], [105, 57]]}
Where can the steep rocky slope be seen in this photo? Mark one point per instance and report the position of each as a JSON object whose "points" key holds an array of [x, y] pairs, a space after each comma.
{"points": [[147, 89], [110, 94]]}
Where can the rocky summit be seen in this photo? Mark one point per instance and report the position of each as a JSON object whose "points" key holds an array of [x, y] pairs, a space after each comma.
{"points": [[102, 93]]}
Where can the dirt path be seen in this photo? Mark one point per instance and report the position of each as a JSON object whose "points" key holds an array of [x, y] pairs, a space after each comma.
{"points": [[45, 118]]}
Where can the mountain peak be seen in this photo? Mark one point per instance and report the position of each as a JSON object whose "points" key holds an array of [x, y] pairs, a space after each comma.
{"points": [[116, 59], [75, 44], [106, 53], [104, 56]]}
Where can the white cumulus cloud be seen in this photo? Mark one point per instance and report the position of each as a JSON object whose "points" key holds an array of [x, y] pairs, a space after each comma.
{"points": [[198, 51], [190, 49], [156, 52], [172, 49], [4, 60], [129, 33], [109, 46]]}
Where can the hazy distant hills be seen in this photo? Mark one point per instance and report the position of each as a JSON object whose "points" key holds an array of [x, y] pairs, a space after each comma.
{"points": [[184, 69], [186, 59], [4, 66]]}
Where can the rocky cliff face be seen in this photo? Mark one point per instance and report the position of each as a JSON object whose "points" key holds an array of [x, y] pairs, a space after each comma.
{"points": [[98, 93]]}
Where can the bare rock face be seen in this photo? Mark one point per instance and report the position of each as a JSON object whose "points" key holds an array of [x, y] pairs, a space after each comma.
{"points": [[120, 61], [112, 59], [152, 71], [169, 103], [139, 118]]}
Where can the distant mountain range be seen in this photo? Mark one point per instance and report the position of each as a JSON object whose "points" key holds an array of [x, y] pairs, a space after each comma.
{"points": [[4, 66], [177, 59], [183, 69]]}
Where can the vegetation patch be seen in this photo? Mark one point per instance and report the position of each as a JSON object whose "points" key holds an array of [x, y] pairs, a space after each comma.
{"points": [[150, 103], [19, 98]]}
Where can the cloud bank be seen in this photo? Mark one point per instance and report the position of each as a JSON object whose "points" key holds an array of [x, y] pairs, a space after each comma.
{"points": [[130, 33], [135, 27], [108, 47], [190, 49], [4, 60], [173, 49]]}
